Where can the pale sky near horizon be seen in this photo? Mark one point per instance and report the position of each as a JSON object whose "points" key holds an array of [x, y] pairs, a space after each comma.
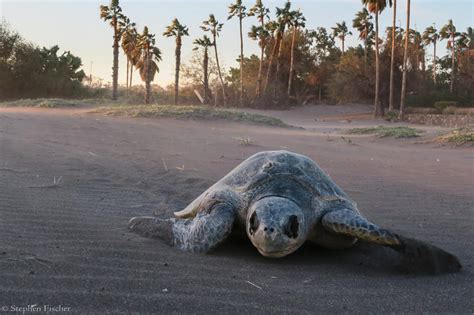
{"points": [[75, 25]]}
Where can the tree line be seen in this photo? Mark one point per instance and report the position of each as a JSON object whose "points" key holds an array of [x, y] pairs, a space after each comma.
{"points": [[28, 71], [297, 64]]}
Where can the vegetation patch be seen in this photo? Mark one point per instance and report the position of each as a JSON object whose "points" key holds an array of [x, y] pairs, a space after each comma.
{"points": [[381, 131], [459, 136], [51, 103], [189, 112]]}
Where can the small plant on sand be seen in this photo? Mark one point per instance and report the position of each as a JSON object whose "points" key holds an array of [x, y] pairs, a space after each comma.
{"points": [[347, 140], [245, 141], [382, 132], [459, 136]]}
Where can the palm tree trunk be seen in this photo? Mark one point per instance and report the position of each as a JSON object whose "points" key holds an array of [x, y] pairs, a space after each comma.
{"points": [[260, 70], [292, 61], [241, 64], [147, 80], [219, 72], [270, 63], [392, 57], [206, 77], [405, 57], [128, 64], [116, 60], [451, 88], [260, 66], [280, 49], [342, 45], [378, 109], [366, 39], [434, 62], [131, 74], [176, 74]]}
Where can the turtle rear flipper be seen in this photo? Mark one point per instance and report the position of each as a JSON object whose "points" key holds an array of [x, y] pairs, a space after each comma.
{"points": [[416, 256]]}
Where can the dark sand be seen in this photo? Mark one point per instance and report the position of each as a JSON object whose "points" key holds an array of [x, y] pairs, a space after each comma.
{"points": [[69, 245]]}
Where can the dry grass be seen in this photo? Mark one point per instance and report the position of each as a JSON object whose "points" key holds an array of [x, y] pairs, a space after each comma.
{"points": [[382, 131], [462, 136], [188, 112], [450, 110], [54, 103]]}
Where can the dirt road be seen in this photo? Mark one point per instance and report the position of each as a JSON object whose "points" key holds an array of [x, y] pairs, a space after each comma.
{"points": [[67, 244]]}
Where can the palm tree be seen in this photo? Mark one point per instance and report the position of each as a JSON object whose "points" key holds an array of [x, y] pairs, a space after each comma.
{"points": [[149, 58], [129, 41], [297, 21], [238, 10], [449, 32], [113, 14], [212, 25], [363, 24], [204, 42], [284, 16], [470, 38], [431, 36], [273, 28], [405, 65], [177, 30], [341, 31], [392, 56], [376, 7], [262, 34]]}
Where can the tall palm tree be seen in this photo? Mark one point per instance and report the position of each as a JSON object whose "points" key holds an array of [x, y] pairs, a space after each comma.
{"points": [[262, 34], [392, 56], [470, 37], [148, 63], [341, 31], [177, 30], [297, 21], [273, 28], [376, 7], [448, 32], [284, 15], [431, 36], [238, 10], [362, 23], [113, 14], [205, 43], [213, 26], [405, 64], [129, 41]]}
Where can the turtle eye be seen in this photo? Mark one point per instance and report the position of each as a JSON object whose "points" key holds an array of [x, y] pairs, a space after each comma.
{"points": [[253, 223], [291, 228]]}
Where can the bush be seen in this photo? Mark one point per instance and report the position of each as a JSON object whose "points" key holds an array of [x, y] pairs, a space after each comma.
{"points": [[428, 99], [442, 105], [391, 116]]}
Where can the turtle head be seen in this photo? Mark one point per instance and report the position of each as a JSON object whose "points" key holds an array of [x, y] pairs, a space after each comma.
{"points": [[276, 226]]}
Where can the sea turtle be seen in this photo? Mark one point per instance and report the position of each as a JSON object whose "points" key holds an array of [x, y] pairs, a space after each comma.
{"points": [[281, 199]]}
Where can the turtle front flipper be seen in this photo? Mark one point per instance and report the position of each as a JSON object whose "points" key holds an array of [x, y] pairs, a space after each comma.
{"points": [[416, 255], [200, 234]]}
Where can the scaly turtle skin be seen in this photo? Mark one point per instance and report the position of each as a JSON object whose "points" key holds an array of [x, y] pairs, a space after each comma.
{"points": [[281, 199]]}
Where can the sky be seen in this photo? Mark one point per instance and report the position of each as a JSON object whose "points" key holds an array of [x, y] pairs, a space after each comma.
{"points": [[75, 25]]}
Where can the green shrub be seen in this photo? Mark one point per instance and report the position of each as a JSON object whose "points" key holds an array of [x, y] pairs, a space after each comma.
{"points": [[391, 116], [430, 98], [442, 105]]}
